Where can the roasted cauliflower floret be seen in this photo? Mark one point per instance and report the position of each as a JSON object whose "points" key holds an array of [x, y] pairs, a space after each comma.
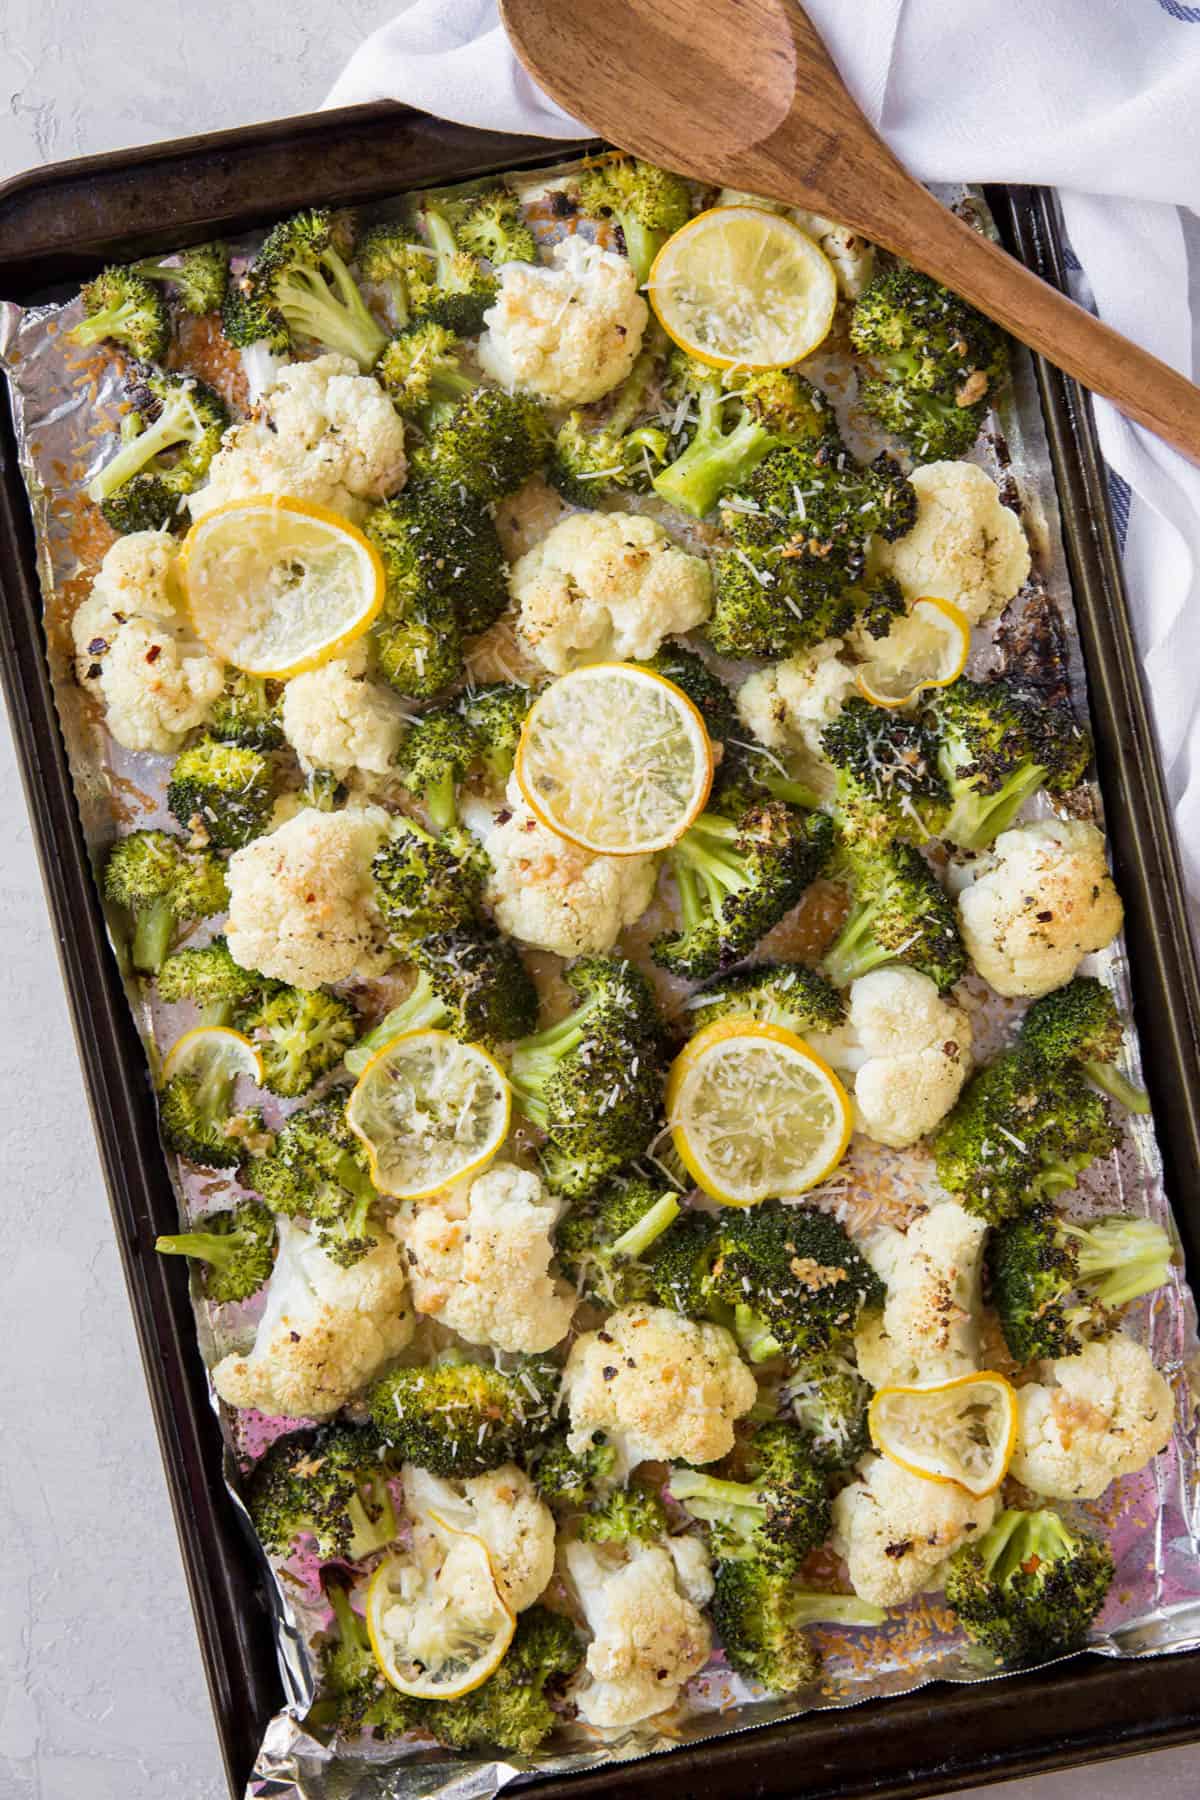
{"points": [[908, 1051], [502, 1508], [788, 704], [1092, 1418], [301, 906], [929, 1327], [1040, 902], [658, 1386], [897, 1530], [327, 1331], [605, 587], [323, 433], [569, 330], [335, 718], [648, 1636], [966, 545], [480, 1263]]}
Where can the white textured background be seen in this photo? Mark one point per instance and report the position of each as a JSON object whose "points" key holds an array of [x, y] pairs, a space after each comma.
{"points": [[101, 1691]]}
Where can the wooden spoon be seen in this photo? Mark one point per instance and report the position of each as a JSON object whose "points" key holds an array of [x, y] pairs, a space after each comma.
{"points": [[743, 92]]}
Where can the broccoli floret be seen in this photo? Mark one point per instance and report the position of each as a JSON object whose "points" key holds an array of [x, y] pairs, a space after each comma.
{"points": [[209, 977], [197, 1121], [627, 1513], [938, 362], [760, 1618], [888, 782], [163, 884], [463, 1418], [512, 1708], [352, 1689], [124, 307], [706, 691], [1029, 1588], [593, 457], [299, 280], [434, 758], [416, 638], [443, 556], [995, 750], [1023, 1130], [169, 437], [593, 1082], [1053, 1282], [489, 446], [768, 603], [237, 1249], [425, 884], [490, 223], [452, 287], [828, 1399], [199, 277], [741, 417], [900, 913], [878, 601], [318, 1171], [330, 1485], [796, 1282], [471, 982], [646, 203], [1080, 1023], [300, 1034], [737, 877], [495, 715], [682, 1269], [249, 713], [249, 323], [787, 994], [768, 1502], [387, 256], [568, 1478], [420, 369], [221, 793], [605, 1244], [821, 508]]}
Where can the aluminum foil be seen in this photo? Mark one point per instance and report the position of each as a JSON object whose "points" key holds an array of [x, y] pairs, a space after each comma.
{"points": [[66, 403]]}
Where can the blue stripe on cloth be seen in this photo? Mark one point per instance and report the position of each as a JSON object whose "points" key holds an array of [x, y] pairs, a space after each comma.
{"points": [[1070, 260], [1187, 15], [1119, 498]]}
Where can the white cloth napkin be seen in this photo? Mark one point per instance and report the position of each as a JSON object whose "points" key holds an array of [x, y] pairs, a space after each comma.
{"points": [[1099, 98]]}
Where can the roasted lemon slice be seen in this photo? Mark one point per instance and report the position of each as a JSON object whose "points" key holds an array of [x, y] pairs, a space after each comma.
{"points": [[429, 1110], [435, 1618], [615, 758], [962, 1431], [755, 1113], [212, 1053], [741, 287], [927, 648], [276, 587]]}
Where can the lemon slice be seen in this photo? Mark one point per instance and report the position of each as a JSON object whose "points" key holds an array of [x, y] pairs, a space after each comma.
{"points": [[755, 1113], [739, 286], [276, 587], [212, 1052], [437, 1624], [962, 1431], [615, 758], [429, 1110], [927, 648]]}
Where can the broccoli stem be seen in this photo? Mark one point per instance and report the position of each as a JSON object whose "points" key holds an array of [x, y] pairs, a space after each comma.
{"points": [[110, 323], [421, 1011], [703, 851], [153, 928], [174, 425], [688, 1485], [1116, 1086], [1119, 1260], [795, 793], [206, 1246], [368, 1533], [642, 244], [815, 1608], [443, 240], [714, 460], [638, 1239], [441, 803], [536, 1058], [351, 1629], [976, 820], [755, 1337], [341, 321], [856, 951]]}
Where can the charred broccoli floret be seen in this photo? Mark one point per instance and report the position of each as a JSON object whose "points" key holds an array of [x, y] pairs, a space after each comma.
{"points": [[222, 794], [489, 446], [794, 1279], [682, 1269], [787, 994], [491, 224], [821, 508], [471, 982], [330, 1485], [605, 1244], [426, 884], [421, 371], [299, 281], [1054, 1282], [125, 308], [237, 1249], [463, 1418], [828, 1399], [760, 1618], [300, 1034], [169, 437], [1029, 1588], [198, 276], [1080, 1023], [317, 1171], [591, 457], [444, 546], [706, 691], [248, 712], [512, 1709], [995, 750], [387, 255], [899, 913], [768, 1501], [888, 782], [197, 1120], [163, 884], [768, 603], [568, 1478], [645, 202]]}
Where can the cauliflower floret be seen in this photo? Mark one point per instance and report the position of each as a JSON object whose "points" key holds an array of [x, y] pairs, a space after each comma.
{"points": [[481, 1264], [301, 905], [648, 1637], [788, 704], [553, 894], [324, 433], [929, 1327], [693, 1567], [896, 1530], [156, 681], [658, 1386], [334, 718], [570, 330], [607, 587], [326, 1331], [1038, 904], [502, 1508], [908, 1050], [1093, 1417], [966, 546]]}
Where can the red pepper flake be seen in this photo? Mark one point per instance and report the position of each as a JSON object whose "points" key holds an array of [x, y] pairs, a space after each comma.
{"points": [[153, 653]]}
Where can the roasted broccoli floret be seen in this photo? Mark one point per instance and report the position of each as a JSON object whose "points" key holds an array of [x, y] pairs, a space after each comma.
{"points": [[299, 280], [300, 1034], [170, 436], [760, 1618], [828, 1399], [209, 977], [463, 1418], [1054, 1282], [888, 782], [569, 1478], [706, 691], [1022, 1131], [330, 1485], [899, 913], [417, 638], [471, 982], [420, 369], [125, 308], [489, 446], [787, 994], [249, 322], [199, 276], [742, 415], [768, 1501], [594, 456], [1080, 1023], [491, 224], [237, 1249], [1029, 1588], [645, 202], [452, 287], [248, 712], [317, 1171], [682, 1269], [795, 1281], [605, 1244], [424, 883], [736, 877], [434, 758], [995, 750], [352, 1692], [197, 1120], [387, 255], [495, 714], [162, 884], [222, 794], [937, 362], [443, 560], [627, 1513], [768, 603], [822, 507], [512, 1708]]}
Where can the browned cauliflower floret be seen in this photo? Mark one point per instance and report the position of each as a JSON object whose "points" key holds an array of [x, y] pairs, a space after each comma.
{"points": [[966, 545], [907, 1050], [335, 718], [929, 1327], [1093, 1417], [569, 330], [648, 1636], [896, 1530], [502, 1508]]}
